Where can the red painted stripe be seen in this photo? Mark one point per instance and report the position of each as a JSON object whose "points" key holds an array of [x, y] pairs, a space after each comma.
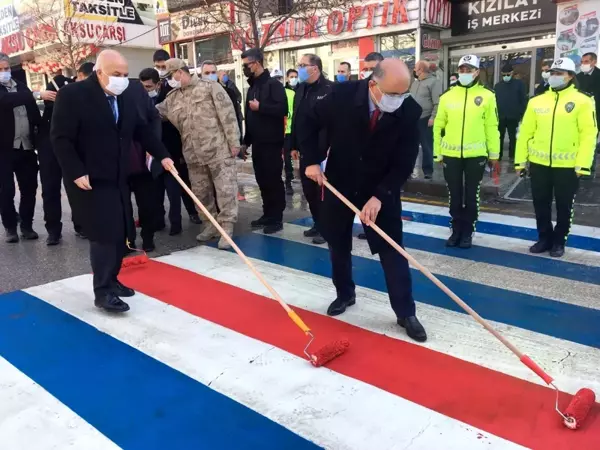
{"points": [[514, 409]]}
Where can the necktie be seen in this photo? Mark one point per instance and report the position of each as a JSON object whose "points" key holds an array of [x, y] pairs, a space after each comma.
{"points": [[113, 106], [374, 118]]}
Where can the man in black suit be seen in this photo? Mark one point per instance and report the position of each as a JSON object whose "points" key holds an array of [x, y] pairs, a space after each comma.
{"points": [[19, 118], [93, 125], [589, 81], [372, 128]]}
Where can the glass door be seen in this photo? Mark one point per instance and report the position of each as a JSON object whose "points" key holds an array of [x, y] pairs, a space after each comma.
{"points": [[521, 65], [487, 69]]}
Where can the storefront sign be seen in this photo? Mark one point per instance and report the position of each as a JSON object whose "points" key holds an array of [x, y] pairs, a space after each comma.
{"points": [[195, 23], [164, 31], [436, 13], [9, 21], [99, 32], [12, 43], [488, 15], [121, 11], [577, 30], [430, 39]]}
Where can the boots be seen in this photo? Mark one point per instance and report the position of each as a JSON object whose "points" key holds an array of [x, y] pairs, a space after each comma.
{"points": [[223, 244], [208, 233], [453, 239]]}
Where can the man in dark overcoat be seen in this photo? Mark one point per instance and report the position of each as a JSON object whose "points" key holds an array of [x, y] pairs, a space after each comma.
{"points": [[93, 124], [372, 127]]}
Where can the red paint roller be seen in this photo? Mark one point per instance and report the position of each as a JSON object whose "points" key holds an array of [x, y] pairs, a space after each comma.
{"points": [[136, 260], [584, 399], [318, 358]]}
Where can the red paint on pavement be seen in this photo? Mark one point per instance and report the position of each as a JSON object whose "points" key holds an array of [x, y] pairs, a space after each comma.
{"points": [[500, 404]]}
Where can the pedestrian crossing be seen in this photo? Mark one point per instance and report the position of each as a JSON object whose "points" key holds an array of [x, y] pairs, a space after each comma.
{"points": [[206, 359]]}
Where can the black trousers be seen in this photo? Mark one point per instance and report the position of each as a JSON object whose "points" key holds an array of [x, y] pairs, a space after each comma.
{"points": [[175, 194], [106, 261], [560, 184], [24, 165], [509, 125], [463, 178], [287, 158], [426, 139], [144, 188], [51, 177], [395, 270], [312, 192], [268, 165]]}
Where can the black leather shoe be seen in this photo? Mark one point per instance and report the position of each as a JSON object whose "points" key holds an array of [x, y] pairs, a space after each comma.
{"points": [[11, 237], [259, 223], [273, 227], [111, 303], [148, 245], [195, 218], [453, 239], [120, 290], [466, 241], [80, 235], [339, 306], [311, 232], [53, 239], [413, 328], [29, 234], [175, 230], [319, 240], [540, 247], [362, 236], [558, 250]]}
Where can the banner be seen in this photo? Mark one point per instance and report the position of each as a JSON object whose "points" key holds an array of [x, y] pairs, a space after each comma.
{"points": [[577, 26], [9, 21]]}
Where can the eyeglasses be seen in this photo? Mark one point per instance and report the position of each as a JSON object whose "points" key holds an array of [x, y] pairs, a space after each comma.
{"points": [[301, 66]]}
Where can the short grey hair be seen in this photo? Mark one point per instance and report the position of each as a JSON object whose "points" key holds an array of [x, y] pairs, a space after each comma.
{"points": [[315, 60], [4, 57], [208, 62], [378, 72], [424, 65]]}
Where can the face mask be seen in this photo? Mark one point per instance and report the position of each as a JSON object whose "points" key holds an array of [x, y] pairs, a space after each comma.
{"points": [[389, 103], [557, 81], [161, 72], [174, 83], [5, 77], [117, 85], [585, 68], [340, 77], [466, 79], [293, 81], [303, 74], [153, 93], [453, 82], [247, 72], [545, 75], [211, 77], [507, 78], [225, 79], [367, 74]]}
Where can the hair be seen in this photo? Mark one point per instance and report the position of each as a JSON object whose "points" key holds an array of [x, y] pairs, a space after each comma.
{"points": [[208, 62], [289, 71], [506, 68], [378, 71], [254, 54], [591, 55], [424, 65], [374, 56], [4, 57], [161, 55], [347, 64], [86, 68], [149, 74], [453, 74], [314, 60]]}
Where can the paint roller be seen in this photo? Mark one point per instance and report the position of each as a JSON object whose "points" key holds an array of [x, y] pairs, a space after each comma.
{"points": [[323, 355], [581, 403]]}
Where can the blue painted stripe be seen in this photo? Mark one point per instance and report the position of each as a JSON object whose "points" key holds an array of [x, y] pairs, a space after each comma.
{"points": [[529, 263], [133, 399], [561, 320], [500, 229]]}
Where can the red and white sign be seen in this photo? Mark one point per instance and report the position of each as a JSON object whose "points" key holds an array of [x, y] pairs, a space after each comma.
{"points": [[437, 13], [13, 43]]}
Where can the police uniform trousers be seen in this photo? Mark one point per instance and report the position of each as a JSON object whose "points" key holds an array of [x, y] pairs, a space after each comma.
{"points": [[24, 165], [268, 165], [336, 226], [553, 183], [463, 179]]}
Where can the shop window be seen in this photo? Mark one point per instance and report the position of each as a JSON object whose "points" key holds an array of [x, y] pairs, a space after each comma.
{"points": [[217, 49], [291, 58], [401, 46], [543, 56], [182, 52]]}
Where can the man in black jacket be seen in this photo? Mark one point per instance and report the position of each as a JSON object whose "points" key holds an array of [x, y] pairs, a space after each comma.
{"points": [[511, 98], [20, 117], [372, 128], [589, 81], [93, 125], [266, 108], [312, 90]]}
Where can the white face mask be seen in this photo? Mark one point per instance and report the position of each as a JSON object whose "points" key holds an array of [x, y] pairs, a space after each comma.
{"points": [[153, 93], [585, 68], [557, 81], [293, 81], [117, 85], [465, 79], [545, 75], [366, 74], [161, 72], [174, 83], [5, 77], [390, 103]]}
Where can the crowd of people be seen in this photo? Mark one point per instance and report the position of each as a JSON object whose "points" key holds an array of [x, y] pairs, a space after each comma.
{"points": [[108, 139]]}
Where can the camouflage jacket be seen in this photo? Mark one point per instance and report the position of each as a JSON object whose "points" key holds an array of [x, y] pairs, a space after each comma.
{"points": [[205, 117]]}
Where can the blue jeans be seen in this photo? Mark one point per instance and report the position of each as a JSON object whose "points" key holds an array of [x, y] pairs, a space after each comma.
{"points": [[426, 137]]}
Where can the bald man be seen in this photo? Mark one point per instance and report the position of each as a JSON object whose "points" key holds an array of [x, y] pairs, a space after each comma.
{"points": [[93, 124], [374, 141]]}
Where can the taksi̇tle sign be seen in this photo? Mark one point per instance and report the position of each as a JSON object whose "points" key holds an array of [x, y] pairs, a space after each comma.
{"points": [[488, 15]]}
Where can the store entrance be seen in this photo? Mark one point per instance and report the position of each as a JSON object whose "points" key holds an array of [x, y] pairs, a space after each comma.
{"points": [[526, 59]]}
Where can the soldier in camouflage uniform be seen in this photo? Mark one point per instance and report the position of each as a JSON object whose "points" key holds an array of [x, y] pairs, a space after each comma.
{"points": [[205, 117]]}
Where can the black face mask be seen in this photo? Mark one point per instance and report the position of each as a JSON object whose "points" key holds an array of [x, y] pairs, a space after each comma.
{"points": [[247, 72], [415, 74]]}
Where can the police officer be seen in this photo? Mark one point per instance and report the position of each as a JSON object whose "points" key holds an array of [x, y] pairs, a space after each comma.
{"points": [[465, 136], [557, 138]]}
